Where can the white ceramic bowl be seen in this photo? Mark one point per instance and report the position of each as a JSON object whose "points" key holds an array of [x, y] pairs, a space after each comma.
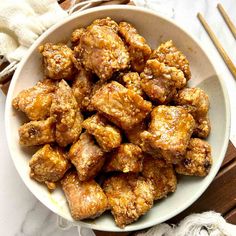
{"points": [[155, 29]]}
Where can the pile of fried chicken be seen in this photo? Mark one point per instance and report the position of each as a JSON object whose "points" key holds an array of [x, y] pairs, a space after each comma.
{"points": [[114, 121]]}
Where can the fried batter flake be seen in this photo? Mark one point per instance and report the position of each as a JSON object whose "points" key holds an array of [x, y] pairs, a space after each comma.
{"points": [[197, 160], [161, 174], [138, 48], [37, 132], [196, 101], [169, 132], [171, 56], [82, 87], [35, 102], [48, 165], [108, 136], [87, 157], [120, 105], [69, 118], [85, 199], [160, 81], [126, 158], [101, 50], [57, 61], [129, 197]]}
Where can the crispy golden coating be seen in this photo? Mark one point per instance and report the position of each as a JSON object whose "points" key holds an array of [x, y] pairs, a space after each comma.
{"points": [[161, 174], [85, 199], [138, 48], [37, 132], [65, 110], [75, 36], [197, 160], [87, 105], [35, 102], [101, 51], [169, 132], [122, 106], [132, 81], [140, 128], [171, 56], [108, 136], [126, 158], [133, 134], [129, 197], [160, 81], [87, 157], [202, 128], [82, 87], [48, 165], [107, 22], [57, 61], [196, 101]]}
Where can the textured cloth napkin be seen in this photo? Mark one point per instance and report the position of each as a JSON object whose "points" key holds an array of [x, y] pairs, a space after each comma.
{"points": [[205, 224], [21, 23]]}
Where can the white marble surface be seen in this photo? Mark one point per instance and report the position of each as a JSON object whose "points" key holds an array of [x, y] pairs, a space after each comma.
{"points": [[21, 214]]}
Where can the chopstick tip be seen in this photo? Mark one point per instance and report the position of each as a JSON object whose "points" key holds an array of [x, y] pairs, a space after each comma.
{"points": [[199, 16]]}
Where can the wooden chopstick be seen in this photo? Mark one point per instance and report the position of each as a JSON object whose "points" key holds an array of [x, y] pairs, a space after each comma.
{"points": [[218, 45], [227, 19]]}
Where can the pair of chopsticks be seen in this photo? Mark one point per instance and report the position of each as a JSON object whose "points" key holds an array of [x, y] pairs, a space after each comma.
{"points": [[214, 39]]}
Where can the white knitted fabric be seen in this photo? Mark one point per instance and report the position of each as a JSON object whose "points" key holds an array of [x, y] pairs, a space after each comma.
{"points": [[204, 224], [21, 23]]}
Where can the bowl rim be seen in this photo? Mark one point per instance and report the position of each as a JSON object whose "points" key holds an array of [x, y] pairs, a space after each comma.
{"points": [[211, 61]]}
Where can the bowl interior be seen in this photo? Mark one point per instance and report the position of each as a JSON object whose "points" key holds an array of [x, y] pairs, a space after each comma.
{"points": [[155, 29]]}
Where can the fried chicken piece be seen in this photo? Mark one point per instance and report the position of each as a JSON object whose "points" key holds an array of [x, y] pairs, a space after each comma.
{"points": [[35, 102], [76, 35], [48, 165], [169, 132], [160, 81], [132, 81], [161, 174], [108, 136], [133, 134], [86, 104], [82, 87], [107, 22], [37, 132], [196, 101], [137, 46], [197, 160], [126, 158], [69, 119], [101, 50], [129, 197], [87, 157], [85, 199], [120, 105], [202, 128], [57, 61], [171, 56]]}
